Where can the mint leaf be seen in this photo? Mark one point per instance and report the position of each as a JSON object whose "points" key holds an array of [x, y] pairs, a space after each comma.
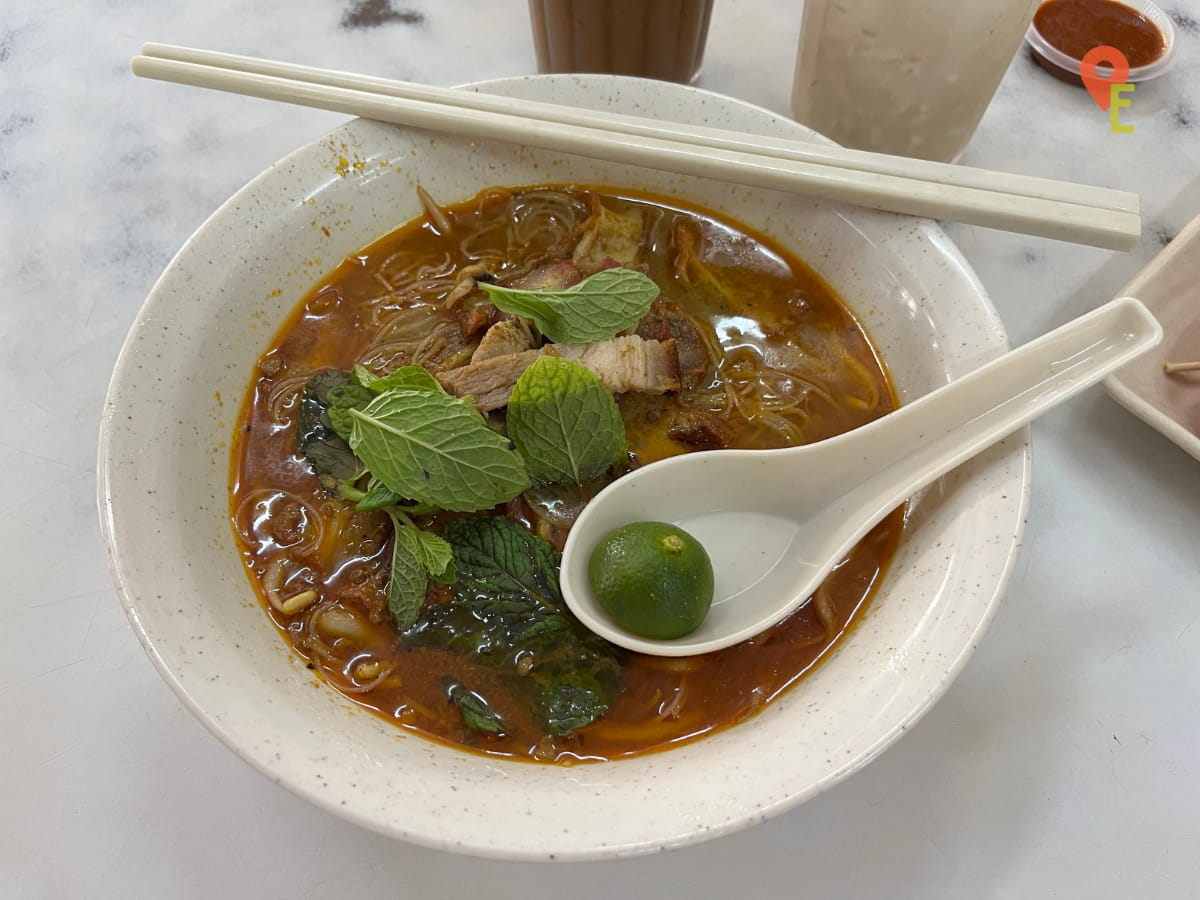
{"points": [[437, 557], [377, 496], [410, 575], [476, 712], [498, 558], [316, 437], [416, 508], [564, 422], [415, 378], [362, 376], [507, 613], [570, 695], [432, 447], [342, 399], [595, 309]]}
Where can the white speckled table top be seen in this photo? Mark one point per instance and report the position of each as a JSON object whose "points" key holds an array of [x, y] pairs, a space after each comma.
{"points": [[1064, 760]]}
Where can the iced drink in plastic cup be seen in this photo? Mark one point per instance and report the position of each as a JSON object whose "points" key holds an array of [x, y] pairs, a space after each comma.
{"points": [[908, 77]]}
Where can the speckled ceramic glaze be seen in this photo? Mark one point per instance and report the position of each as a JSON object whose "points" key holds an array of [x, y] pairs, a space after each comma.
{"points": [[164, 480]]}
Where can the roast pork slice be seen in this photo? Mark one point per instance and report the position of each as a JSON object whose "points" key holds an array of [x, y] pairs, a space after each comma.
{"points": [[444, 348], [503, 338], [475, 311], [700, 428], [626, 363], [491, 381], [666, 320]]}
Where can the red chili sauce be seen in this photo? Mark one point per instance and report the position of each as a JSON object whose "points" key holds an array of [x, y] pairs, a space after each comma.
{"points": [[1077, 26]]}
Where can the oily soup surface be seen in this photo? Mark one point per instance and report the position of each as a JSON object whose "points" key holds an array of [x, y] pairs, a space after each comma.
{"points": [[781, 361]]}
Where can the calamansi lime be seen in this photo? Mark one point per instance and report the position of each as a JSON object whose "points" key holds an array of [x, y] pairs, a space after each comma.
{"points": [[654, 579]]}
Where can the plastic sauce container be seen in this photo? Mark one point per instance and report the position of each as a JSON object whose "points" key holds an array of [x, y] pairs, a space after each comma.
{"points": [[661, 39], [1063, 31]]}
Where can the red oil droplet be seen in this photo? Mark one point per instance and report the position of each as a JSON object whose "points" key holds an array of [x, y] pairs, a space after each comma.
{"points": [[1098, 84]]}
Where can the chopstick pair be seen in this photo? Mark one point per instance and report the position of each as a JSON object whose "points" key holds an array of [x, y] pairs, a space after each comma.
{"points": [[1083, 214]]}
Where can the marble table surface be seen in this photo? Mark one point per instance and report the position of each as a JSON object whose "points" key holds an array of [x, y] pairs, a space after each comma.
{"points": [[1065, 760]]}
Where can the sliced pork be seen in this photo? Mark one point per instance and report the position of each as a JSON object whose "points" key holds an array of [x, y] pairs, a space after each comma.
{"points": [[667, 321], [701, 429], [505, 337], [626, 363], [491, 381], [445, 347]]}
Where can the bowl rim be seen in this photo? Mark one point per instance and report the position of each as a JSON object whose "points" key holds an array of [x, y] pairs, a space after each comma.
{"points": [[1051, 54], [323, 800]]}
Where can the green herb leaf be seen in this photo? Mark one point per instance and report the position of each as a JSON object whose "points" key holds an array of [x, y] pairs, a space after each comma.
{"points": [[436, 448], [498, 558], [377, 496], [362, 376], [410, 575], [329, 453], [476, 712], [564, 422], [571, 694], [415, 378], [596, 309], [507, 613], [344, 488], [437, 557], [342, 399], [416, 508]]}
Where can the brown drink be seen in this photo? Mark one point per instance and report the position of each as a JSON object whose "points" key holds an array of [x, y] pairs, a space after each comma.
{"points": [[652, 38]]}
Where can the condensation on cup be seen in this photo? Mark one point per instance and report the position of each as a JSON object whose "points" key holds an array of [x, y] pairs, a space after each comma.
{"points": [[908, 77], [661, 39]]}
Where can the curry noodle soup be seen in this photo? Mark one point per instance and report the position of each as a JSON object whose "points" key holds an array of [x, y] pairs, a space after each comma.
{"points": [[745, 347]]}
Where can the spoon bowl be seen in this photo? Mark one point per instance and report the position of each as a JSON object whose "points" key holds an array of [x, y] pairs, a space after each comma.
{"points": [[776, 522]]}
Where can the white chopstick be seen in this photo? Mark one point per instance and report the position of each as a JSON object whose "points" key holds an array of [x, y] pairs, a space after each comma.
{"points": [[1080, 213], [859, 160]]}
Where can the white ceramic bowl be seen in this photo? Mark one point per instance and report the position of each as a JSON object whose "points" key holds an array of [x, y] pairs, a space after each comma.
{"points": [[164, 478]]}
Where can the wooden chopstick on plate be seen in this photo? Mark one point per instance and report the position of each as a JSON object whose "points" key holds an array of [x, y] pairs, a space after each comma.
{"points": [[1101, 217]]}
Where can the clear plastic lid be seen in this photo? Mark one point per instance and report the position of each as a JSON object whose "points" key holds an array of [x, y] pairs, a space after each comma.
{"points": [[1070, 64]]}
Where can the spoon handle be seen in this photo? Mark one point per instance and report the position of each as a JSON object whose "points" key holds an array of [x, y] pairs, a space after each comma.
{"points": [[906, 450]]}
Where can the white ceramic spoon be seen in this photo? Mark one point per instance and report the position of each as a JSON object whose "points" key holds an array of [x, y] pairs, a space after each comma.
{"points": [[775, 522]]}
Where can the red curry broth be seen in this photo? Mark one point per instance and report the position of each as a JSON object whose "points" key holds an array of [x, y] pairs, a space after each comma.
{"points": [[796, 367]]}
